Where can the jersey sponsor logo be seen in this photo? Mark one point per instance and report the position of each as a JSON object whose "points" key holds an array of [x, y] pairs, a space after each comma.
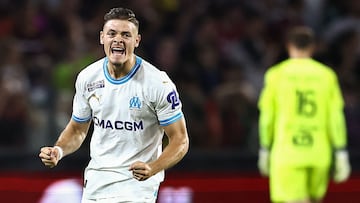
{"points": [[135, 102], [303, 137], [95, 85], [173, 99], [119, 125]]}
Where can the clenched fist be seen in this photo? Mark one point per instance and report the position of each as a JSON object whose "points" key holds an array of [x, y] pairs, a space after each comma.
{"points": [[50, 156]]}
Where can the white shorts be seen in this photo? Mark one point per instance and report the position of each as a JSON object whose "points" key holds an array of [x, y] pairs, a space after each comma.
{"points": [[114, 200], [114, 187], [144, 194]]}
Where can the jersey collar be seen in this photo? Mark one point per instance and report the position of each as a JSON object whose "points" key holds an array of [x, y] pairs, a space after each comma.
{"points": [[126, 77]]}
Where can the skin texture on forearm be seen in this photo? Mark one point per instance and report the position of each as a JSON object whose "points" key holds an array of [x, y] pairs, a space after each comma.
{"points": [[72, 136], [176, 149]]}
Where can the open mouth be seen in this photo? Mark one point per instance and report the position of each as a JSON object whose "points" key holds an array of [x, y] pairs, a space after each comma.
{"points": [[117, 50]]}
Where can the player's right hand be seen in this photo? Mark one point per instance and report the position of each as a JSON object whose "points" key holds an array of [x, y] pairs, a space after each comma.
{"points": [[264, 162], [49, 156]]}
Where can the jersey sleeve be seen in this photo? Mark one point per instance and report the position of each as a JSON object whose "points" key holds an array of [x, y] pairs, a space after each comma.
{"points": [[337, 126], [267, 109], [81, 108], [168, 105]]}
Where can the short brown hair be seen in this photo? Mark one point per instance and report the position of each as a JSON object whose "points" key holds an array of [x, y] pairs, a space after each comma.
{"points": [[122, 14], [301, 37]]}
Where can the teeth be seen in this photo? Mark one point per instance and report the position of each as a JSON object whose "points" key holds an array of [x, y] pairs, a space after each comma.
{"points": [[118, 49]]}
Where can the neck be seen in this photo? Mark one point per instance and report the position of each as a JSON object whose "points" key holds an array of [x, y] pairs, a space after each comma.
{"points": [[295, 52], [299, 54], [119, 70]]}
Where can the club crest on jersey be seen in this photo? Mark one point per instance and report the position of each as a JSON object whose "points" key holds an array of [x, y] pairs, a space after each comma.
{"points": [[135, 102], [95, 85], [173, 99]]}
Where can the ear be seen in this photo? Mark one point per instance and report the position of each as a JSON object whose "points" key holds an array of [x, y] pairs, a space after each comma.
{"points": [[289, 47], [137, 40], [101, 37]]}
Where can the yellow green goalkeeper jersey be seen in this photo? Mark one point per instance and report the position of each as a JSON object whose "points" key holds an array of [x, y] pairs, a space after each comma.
{"points": [[301, 112]]}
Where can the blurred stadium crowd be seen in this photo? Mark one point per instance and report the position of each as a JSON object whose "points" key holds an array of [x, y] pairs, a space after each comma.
{"points": [[216, 51]]}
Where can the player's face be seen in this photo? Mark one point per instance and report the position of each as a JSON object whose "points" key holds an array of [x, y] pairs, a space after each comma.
{"points": [[120, 38]]}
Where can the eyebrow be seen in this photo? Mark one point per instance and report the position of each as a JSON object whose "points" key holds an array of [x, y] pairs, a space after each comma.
{"points": [[121, 32]]}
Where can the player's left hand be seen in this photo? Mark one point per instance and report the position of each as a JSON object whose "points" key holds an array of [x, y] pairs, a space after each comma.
{"points": [[141, 171], [342, 166]]}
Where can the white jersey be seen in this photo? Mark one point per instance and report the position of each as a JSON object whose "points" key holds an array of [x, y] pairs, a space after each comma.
{"points": [[128, 116]]}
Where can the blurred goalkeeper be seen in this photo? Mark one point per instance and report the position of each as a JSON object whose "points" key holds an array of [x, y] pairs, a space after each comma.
{"points": [[301, 125]]}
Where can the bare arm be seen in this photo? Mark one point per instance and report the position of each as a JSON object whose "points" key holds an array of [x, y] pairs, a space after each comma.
{"points": [[69, 141], [176, 149]]}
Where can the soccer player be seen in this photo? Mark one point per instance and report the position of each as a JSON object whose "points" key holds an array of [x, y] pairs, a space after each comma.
{"points": [[301, 124], [132, 104]]}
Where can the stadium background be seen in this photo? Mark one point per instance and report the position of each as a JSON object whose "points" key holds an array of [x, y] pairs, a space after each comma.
{"points": [[216, 51]]}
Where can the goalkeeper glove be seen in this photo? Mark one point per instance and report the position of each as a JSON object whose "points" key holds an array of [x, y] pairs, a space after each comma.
{"points": [[264, 161], [342, 168]]}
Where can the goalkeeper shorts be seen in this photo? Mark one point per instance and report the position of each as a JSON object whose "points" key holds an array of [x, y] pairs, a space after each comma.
{"points": [[290, 183]]}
